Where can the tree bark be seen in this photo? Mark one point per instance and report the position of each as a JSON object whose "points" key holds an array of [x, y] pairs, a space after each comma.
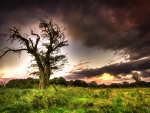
{"points": [[42, 84], [42, 76], [46, 81]]}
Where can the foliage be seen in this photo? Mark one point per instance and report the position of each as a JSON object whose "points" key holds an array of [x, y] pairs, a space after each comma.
{"points": [[23, 83], [93, 84], [58, 81], [79, 83], [33, 83], [2, 84], [75, 100]]}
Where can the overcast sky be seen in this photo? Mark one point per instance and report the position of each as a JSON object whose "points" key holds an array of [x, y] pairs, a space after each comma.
{"points": [[105, 36]]}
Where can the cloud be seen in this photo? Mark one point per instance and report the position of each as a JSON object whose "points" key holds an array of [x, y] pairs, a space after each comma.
{"points": [[115, 70], [117, 25], [104, 24], [144, 73], [112, 27], [80, 66]]}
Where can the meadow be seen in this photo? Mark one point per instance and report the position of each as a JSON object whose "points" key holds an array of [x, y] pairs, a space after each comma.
{"points": [[61, 99]]}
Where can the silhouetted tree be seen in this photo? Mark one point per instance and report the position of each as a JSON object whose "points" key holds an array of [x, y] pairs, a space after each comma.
{"points": [[70, 83], [62, 81], [136, 78], [102, 86], [84, 84], [58, 81], [23, 83], [125, 84], [143, 84], [148, 84], [93, 84], [114, 85], [45, 50], [79, 83], [2, 84]]}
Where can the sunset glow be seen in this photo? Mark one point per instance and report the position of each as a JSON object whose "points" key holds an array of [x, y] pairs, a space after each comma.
{"points": [[106, 76]]}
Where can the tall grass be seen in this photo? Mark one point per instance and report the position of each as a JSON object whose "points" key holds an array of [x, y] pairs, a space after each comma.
{"points": [[75, 100]]}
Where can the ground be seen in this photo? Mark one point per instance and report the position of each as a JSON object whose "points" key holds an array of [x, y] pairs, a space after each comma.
{"points": [[75, 100]]}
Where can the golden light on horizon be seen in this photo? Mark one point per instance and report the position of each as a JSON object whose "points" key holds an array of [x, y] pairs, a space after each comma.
{"points": [[106, 76]]}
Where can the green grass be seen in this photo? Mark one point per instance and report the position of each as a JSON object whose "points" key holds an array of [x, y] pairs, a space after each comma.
{"points": [[75, 100]]}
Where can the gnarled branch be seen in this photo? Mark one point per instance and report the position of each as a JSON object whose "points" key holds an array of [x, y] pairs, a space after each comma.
{"points": [[6, 50], [37, 40]]}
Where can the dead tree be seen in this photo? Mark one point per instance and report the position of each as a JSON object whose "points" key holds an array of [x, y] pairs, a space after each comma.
{"points": [[45, 50]]}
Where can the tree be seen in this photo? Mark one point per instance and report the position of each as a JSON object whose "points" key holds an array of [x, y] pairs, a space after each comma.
{"points": [[79, 83], [2, 84], [46, 50], [136, 78], [125, 84], [93, 84], [23, 83], [58, 81]]}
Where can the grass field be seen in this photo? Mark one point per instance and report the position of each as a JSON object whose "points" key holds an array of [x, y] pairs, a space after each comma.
{"points": [[61, 99]]}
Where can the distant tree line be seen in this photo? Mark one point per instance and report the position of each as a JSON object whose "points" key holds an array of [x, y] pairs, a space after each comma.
{"points": [[34, 83]]}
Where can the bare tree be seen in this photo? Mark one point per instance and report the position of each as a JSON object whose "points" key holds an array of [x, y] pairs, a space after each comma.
{"points": [[136, 77], [46, 49]]}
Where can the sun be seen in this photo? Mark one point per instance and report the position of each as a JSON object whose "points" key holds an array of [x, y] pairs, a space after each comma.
{"points": [[106, 76]]}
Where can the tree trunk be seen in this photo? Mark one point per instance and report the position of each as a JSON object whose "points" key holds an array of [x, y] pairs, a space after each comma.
{"points": [[44, 81], [48, 73], [47, 81], [42, 77], [42, 84]]}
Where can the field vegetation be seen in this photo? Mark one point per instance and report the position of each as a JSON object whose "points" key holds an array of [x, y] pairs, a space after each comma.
{"points": [[69, 99]]}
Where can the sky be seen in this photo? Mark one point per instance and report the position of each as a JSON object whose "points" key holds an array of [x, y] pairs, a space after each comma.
{"points": [[109, 40]]}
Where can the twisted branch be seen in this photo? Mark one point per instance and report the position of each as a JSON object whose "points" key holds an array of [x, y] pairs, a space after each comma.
{"points": [[6, 50]]}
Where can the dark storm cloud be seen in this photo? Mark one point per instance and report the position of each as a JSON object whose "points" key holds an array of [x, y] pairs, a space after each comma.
{"points": [[116, 69], [144, 73], [112, 25], [104, 24]]}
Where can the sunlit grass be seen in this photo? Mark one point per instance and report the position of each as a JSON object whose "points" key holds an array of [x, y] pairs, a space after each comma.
{"points": [[75, 100]]}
